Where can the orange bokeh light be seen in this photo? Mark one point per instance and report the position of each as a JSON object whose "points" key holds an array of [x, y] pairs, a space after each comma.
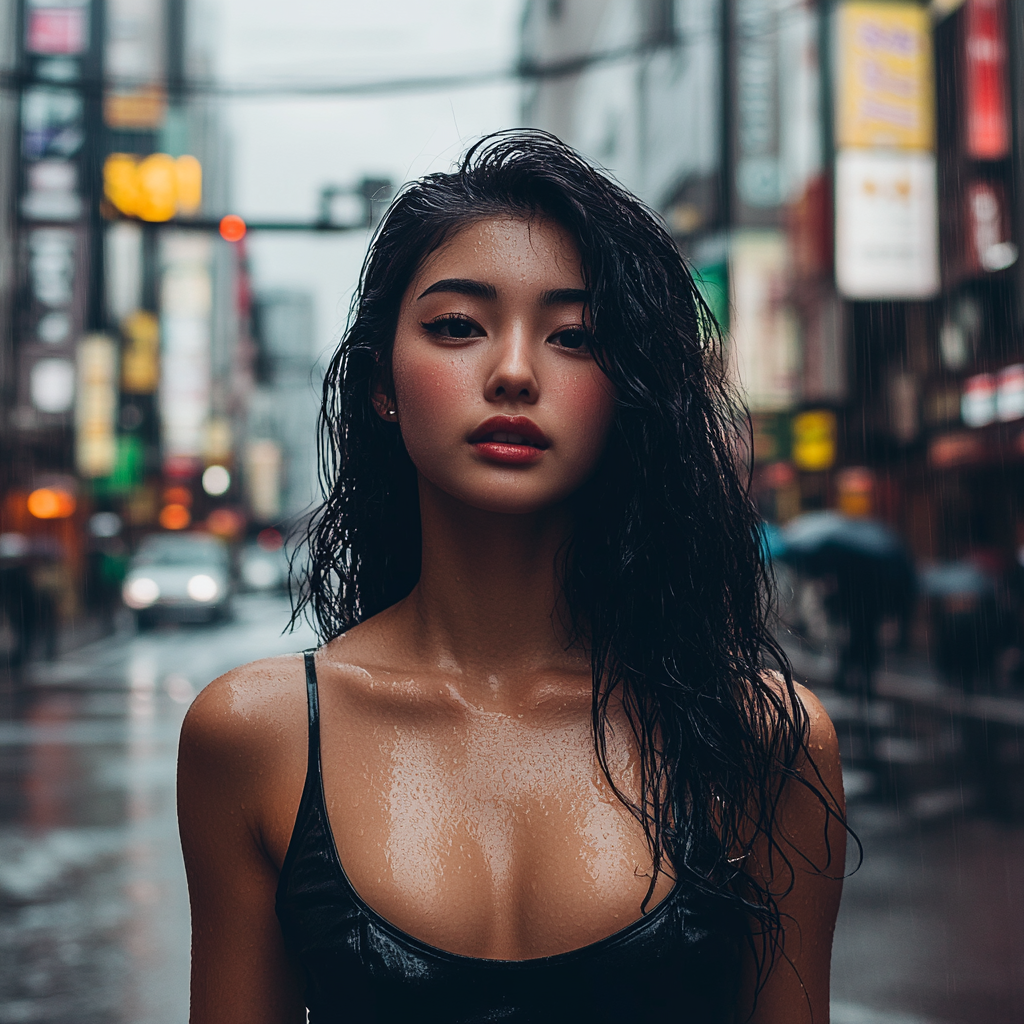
{"points": [[49, 503], [225, 522], [175, 517], [178, 496], [232, 228]]}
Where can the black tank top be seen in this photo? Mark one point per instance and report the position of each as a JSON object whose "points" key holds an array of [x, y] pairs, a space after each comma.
{"points": [[679, 962]]}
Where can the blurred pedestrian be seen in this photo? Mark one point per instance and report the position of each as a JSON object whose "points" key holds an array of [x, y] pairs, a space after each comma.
{"points": [[969, 623], [870, 578]]}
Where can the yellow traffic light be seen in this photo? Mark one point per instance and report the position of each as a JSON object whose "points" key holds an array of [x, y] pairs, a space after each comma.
{"points": [[154, 188]]}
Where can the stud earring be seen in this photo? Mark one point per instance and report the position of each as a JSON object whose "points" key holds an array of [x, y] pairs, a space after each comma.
{"points": [[392, 412]]}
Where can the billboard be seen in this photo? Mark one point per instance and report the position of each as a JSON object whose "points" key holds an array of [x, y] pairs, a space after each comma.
{"points": [[57, 27], [135, 62], [184, 387], [759, 186], [887, 230], [886, 193], [885, 92], [987, 114], [764, 353]]}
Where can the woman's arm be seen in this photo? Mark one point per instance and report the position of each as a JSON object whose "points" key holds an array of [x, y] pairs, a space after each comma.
{"points": [[231, 749], [796, 990]]}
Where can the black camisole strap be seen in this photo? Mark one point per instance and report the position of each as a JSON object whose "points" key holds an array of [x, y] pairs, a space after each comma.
{"points": [[313, 708]]}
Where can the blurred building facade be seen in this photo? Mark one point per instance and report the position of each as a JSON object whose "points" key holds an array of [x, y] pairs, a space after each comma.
{"points": [[843, 181], [125, 323], [281, 423]]}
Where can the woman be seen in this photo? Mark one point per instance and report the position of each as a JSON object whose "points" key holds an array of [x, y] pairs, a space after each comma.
{"points": [[541, 770]]}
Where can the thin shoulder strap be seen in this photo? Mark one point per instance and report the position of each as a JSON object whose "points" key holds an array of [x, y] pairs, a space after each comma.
{"points": [[311, 803], [313, 706]]}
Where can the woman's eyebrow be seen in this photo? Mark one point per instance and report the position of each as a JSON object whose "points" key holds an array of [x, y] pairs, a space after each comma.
{"points": [[462, 286], [561, 296]]}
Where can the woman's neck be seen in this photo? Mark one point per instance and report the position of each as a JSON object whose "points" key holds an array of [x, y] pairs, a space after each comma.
{"points": [[488, 599]]}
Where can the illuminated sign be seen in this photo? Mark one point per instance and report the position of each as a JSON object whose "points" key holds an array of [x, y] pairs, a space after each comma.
{"points": [[140, 358], [885, 94], [814, 440], [978, 401], [185, 306], [57, 29], [155, 188], [987, 122], [763, 331], [988, 246], [887, 231], [96, 406], [134, 64]]}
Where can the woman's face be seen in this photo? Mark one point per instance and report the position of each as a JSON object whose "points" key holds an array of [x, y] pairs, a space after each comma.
{"points": [[498, 399]]}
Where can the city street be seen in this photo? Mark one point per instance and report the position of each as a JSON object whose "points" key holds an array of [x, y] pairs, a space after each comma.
{"points": [[93, 911], [94, 925]]}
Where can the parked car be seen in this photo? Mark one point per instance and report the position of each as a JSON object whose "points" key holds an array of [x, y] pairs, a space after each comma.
{"points": [[263, 567], [180, 577]]}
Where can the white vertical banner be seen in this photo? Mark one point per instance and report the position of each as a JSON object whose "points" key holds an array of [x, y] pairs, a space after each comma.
{"points": [[764, 350], [185, 308], [123, 269], [263, 475], [887, 231]]}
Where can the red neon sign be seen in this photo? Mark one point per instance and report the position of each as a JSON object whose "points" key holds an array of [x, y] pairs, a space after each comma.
{"points": [[987, 120]]}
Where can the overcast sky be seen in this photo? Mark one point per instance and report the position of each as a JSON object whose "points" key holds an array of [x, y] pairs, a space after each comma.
{"points": [[285, 150]]}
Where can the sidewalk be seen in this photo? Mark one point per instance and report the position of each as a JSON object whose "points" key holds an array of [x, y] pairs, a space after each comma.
{"points": [[912, 680], [919, 743]]}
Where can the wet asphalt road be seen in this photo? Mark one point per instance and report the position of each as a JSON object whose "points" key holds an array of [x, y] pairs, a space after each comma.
{"points": [[93, 910], [94, 925]]}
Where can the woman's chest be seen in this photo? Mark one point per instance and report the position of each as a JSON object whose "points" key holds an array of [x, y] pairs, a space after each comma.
{"points": [[489, 836]]}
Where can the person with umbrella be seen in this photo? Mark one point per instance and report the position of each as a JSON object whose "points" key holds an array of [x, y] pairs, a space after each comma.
{"points": [[872, 577]]}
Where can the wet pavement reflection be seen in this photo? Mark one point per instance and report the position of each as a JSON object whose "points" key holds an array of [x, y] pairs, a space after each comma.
{"points": [[94, 922]]}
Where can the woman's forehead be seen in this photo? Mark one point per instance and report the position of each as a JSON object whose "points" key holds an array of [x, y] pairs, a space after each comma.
{"points": [[507, 244]]}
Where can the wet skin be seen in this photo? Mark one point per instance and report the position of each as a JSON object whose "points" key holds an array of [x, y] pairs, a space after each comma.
{"points": [[458, 760]]}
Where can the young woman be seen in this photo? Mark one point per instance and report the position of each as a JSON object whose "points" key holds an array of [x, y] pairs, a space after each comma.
{"points": [[540, 769]]}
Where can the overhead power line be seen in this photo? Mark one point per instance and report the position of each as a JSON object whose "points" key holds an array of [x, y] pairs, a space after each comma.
{"points": [[524, 70]]}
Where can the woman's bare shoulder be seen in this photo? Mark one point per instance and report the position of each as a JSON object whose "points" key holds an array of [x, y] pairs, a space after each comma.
{"points": [[821, 734], [248, 707]]}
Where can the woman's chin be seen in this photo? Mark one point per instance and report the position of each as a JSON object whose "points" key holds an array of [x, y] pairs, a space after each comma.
{"points": [[511, 498]]}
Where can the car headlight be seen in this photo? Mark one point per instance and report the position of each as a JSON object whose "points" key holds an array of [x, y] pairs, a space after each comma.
{"points": [[140, 592], [202, 588], [260, 573]]}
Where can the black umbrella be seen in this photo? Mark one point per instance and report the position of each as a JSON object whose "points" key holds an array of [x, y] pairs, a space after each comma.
{"points": [[816, 532], [862, 553]]}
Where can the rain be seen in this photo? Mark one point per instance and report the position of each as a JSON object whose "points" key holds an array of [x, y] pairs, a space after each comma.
{"points": [[187, 192]]}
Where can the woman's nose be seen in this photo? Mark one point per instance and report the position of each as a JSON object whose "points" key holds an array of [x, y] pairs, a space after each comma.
{"points": [[513, 376]]}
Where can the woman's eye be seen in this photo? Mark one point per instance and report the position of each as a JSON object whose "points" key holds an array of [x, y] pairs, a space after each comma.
{"points": [[453, 327], [574, 338]]}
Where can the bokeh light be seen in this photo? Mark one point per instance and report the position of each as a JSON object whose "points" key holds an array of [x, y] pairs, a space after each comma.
{"points": [[51, 503], [175, 517]]}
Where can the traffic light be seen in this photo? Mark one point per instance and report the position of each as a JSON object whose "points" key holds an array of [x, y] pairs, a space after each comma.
{"points": [[154, 188]]}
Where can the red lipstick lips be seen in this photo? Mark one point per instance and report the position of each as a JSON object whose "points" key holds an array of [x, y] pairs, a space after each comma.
{"points": [[510, 440]]}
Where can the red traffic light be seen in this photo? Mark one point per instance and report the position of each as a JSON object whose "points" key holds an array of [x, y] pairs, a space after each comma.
{"points": [[232, 228]]}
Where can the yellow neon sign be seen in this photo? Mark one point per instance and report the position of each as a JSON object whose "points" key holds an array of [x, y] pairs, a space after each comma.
{"points": [[154, 188]]}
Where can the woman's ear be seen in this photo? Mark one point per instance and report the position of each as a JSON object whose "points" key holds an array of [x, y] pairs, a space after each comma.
{"points": [[384, 406]]}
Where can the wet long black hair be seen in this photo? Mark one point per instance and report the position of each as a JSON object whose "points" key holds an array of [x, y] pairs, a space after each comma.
{"points": [[664, 579]]}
